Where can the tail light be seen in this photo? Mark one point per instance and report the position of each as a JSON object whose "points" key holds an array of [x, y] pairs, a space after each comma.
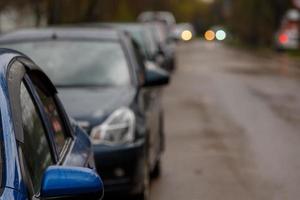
{"points": [[283, 38]]}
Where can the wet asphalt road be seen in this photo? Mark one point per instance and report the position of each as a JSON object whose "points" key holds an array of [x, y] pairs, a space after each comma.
{"points": [[232, 126]]}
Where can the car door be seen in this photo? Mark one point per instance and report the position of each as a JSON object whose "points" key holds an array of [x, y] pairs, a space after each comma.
{"points": [[72, 144], [43, 133], [34, 143], [60, 131]]}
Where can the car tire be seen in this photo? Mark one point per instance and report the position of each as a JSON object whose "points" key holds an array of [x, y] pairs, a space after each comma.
{"points": [[145, 193], [156, 171], [173, 65], [162, 132]]}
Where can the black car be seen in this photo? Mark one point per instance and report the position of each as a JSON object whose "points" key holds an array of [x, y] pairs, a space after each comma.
{"points": [[106, 87]]}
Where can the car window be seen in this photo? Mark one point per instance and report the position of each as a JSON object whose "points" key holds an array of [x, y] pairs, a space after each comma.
{"points": [[36, 148], [56, 121], [140, 62], [139, 56]]}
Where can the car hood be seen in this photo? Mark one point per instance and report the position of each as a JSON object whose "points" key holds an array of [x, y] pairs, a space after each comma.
{"points": [[93, 104]]}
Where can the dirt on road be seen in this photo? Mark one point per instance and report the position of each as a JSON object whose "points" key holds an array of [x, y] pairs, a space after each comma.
{"points": [[232, 127]]}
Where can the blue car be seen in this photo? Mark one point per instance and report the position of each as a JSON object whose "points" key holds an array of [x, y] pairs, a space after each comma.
{"points": [[114, 94], [43, 154]]}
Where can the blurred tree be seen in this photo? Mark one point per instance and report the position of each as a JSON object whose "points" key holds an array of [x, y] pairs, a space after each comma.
{"points": [[35, 7], [255, 21], [53, 12]]}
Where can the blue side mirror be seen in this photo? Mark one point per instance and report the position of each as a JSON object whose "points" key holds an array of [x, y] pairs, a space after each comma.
{"points": [[62, 183]]}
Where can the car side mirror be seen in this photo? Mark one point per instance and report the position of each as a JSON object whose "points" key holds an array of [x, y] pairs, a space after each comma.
{"points": [[156, 77], [64, 183], [173, 39]]}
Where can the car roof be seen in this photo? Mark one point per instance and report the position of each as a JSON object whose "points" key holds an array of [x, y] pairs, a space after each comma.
{"points": [[62, 33], [6, 56], [126, 26], [166, 16], [120, 26], [137, 24]]}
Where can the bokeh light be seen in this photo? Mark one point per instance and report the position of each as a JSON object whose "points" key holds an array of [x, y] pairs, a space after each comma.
{"points": [[221, 35], [186, 35], [209, 35], [283, 38]]}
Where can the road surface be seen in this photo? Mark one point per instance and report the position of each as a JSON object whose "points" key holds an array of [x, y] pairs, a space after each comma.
{"points": [[232, 126]]}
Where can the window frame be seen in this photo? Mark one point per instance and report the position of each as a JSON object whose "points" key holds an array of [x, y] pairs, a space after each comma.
{"points": [[42, 114], [127, 44], [17, 69], [35, 82], [15, 75], [46, 126]]}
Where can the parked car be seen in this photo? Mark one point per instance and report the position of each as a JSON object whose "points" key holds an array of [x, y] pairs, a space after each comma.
{"points": [[147, 41], [287, 37], [43, 154], [140, 33], [162, 23], [106, 87], [160, 16]]}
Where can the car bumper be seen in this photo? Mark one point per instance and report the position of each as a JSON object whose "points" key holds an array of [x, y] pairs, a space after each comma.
{"points": [[121, 168]]}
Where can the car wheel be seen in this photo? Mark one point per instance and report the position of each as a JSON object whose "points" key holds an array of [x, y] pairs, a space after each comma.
{"points": [[162, 132], [156, 171], [145, 194], [173, 65]]}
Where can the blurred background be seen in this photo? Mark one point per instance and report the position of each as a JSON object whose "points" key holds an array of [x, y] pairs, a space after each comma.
{"points": [[232, 109], [251, 21]]}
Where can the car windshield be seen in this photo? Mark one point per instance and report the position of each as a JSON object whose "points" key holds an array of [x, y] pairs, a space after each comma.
{"points": [[79, 63]]}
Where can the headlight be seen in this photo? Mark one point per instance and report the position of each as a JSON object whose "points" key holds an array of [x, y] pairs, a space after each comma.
{"points": [[118, 128]]}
